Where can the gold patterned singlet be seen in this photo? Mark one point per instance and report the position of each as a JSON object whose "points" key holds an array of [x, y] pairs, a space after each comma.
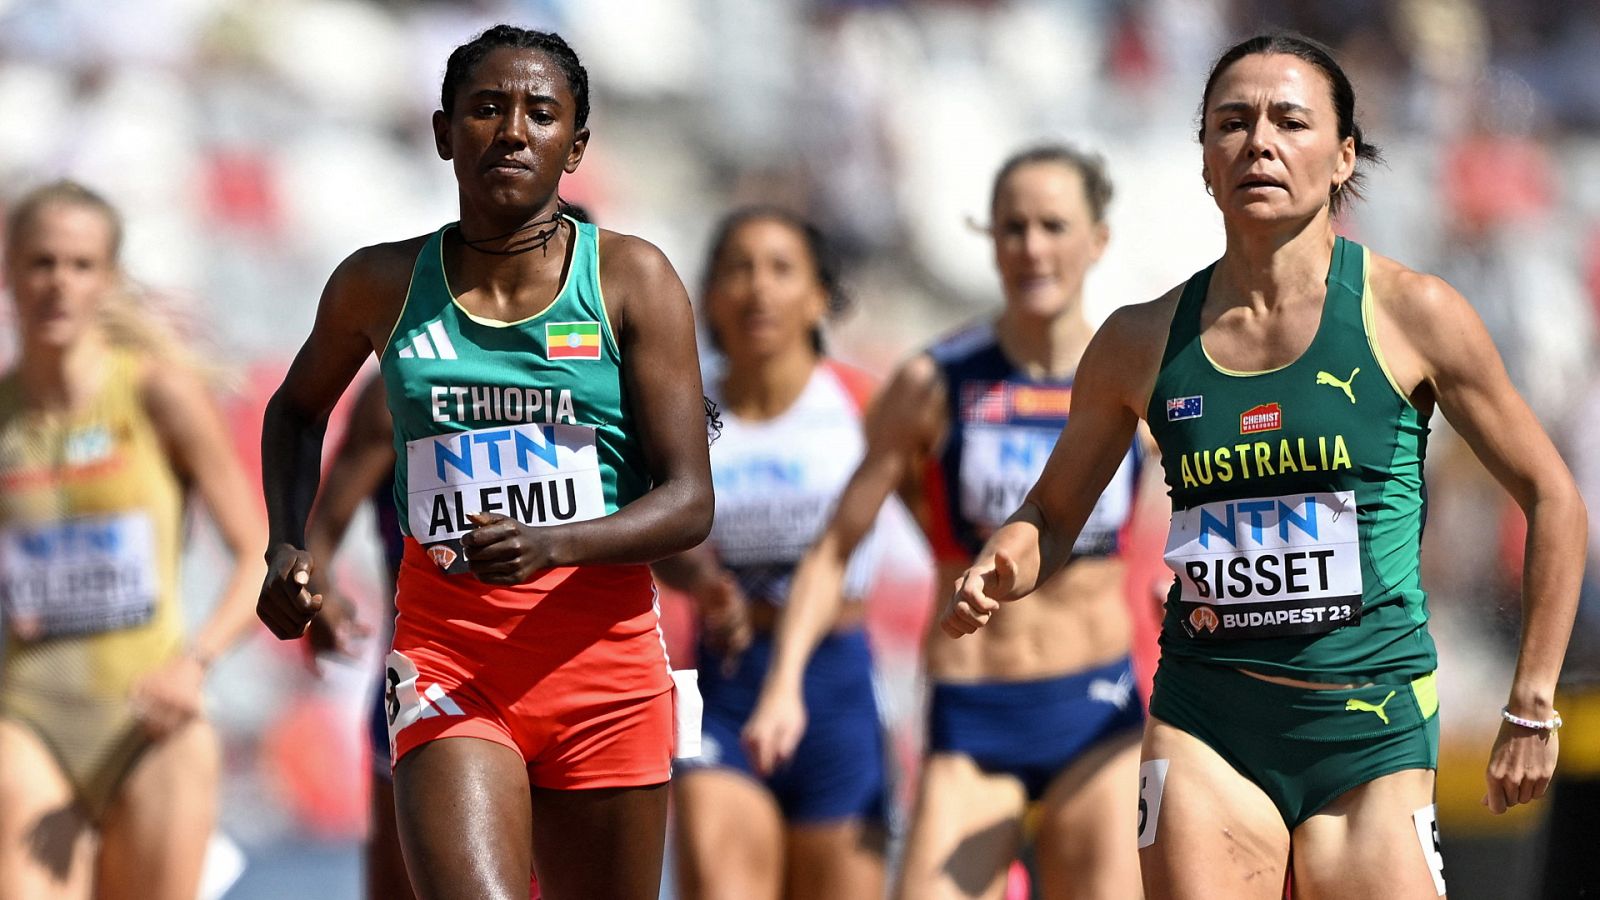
{"points": [[90, 512]]}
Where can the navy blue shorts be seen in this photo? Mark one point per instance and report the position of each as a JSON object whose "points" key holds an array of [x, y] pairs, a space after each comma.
{"points": [[1033, 730], [839, 770]]}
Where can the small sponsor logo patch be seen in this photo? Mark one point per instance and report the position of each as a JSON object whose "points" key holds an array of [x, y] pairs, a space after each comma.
{"points": [[442, 556], [1203, 619], [1180, 408], [1036, 402], [1265, 417]]}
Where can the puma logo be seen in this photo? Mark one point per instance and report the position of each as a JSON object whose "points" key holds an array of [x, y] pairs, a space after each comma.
{"points": [[1364, 706], [1325, 378]]}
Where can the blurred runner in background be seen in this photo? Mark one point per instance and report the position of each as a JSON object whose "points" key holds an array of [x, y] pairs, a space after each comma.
{"points": [[108, 767], [791, 436], [1033, 731]]}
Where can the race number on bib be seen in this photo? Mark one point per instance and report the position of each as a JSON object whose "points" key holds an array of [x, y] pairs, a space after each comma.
{"points": [[80, 576], [536, 474], [1152, 784], [1268, 566]]}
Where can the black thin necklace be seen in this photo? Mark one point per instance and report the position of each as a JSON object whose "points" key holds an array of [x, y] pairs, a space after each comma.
{"points": [[539, 240]]}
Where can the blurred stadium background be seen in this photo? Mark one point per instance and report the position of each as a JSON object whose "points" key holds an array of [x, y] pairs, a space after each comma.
{"points": [[254, 143]]}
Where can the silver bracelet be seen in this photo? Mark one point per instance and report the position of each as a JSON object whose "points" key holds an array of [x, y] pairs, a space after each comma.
{"points": [[1550, 724]]}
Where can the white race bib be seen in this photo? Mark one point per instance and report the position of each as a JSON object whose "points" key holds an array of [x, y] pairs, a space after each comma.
{"points": [[536, 474], [1268, 566], [79, 576], [1001, 463]]}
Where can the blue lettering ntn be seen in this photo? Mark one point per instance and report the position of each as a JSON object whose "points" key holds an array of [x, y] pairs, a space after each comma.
{"points": [[525, 447], [1303, 520]]}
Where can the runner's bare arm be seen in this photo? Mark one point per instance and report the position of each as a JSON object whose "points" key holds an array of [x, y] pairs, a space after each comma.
{"points": [[688, 572], [358, 308], [719, 603], [199, 449], [1444, 349], [363, 463], [1109, 395], [901, 427], [654, 325]]}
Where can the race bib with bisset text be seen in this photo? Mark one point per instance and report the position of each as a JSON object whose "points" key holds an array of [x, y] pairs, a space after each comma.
{"points": [[1267, 566]]}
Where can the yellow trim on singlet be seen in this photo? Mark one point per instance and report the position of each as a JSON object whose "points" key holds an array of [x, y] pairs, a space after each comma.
{"points": [[404, 302], [1242, 374], [600, 293], [1372, 332]]}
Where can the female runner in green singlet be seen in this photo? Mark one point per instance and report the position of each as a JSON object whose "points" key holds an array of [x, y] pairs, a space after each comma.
{"points": [[530, 707], [1289, 385], [108, 767]]}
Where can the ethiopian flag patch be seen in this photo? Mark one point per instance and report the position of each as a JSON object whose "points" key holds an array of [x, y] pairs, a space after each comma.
{"points": [[572, 340]]}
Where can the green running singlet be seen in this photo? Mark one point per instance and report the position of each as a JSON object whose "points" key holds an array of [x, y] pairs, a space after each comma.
{"points": [[527, 419], [1297, 499]]}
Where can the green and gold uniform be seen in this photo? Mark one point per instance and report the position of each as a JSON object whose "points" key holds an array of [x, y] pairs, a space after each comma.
{"points": [[1298, 508]]}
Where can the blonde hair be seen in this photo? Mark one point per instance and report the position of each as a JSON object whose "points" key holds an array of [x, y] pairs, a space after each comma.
{"points": [[130, 316]]}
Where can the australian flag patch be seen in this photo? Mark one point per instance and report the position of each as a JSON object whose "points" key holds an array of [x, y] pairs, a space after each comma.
{"points": [[1180, 408]]}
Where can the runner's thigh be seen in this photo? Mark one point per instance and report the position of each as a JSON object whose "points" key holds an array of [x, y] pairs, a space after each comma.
{"points": [[1205, 830], [729, 837], [965, 831], [603, 843], [386, 865], [1086, 843], [461, 804], [1378, 841], [47, 847], [837, 859], [154, 837]]}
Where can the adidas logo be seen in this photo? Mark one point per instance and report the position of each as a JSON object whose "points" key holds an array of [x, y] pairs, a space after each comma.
{"points": [[435, 702], [433, 342]]}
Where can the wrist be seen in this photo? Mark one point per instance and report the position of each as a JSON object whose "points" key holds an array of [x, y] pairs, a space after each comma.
{"points": [[1552, 722], [274, 547], [780, 683], [201, 656], [553, 539], [1530, 703]]}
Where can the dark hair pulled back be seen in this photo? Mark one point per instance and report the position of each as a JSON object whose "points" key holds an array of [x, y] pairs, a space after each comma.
{"points": [[1343, 95]]}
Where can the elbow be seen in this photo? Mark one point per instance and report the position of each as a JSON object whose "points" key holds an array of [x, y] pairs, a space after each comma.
{"points": [[1558, 502], [698, 516], [1565, 493], [283, 414], [691, 515]]}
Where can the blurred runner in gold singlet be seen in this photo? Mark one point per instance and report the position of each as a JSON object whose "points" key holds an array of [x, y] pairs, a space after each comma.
{"points": [[108, 769]]}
